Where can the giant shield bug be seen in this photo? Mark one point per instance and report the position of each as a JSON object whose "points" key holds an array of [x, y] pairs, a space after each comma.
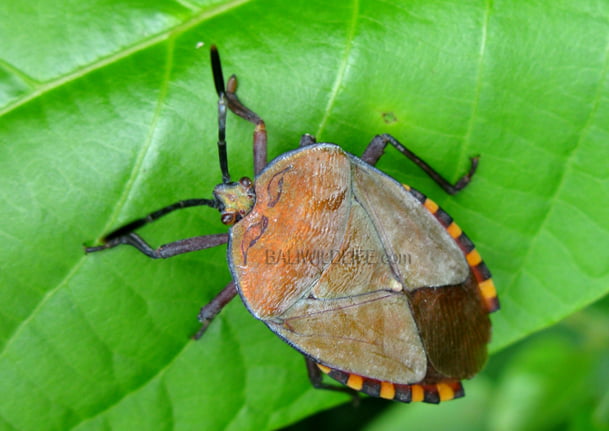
{"points": [[369, 279]]}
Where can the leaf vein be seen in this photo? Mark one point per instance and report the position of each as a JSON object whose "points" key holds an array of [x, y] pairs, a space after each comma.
{"points": [[49, 86], [342, 70], [479, 74]]}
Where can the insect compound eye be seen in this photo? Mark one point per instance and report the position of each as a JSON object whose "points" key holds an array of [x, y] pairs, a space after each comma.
{"points": [[228, 218], [245, 182]]}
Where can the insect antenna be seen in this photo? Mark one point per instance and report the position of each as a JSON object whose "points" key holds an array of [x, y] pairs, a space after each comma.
{"points": [[216, 67]]}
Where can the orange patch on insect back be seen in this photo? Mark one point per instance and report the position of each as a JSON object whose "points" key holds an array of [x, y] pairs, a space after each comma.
{"points": [[454, 230], [473, 258], [271, 229], [418, 394], [431, 206], [387, 390], [445, 392], [355, 382]]}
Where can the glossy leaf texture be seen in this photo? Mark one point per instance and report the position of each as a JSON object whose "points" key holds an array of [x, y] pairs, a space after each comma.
{"points": [[108, 112]]}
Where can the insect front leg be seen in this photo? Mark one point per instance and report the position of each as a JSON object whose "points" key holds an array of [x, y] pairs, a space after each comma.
{"points": [[166, 250], [126, 234], [375, 150], [260, 135]]}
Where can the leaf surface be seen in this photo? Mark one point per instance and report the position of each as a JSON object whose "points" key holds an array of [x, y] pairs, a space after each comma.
{"points": [[107, 112]]}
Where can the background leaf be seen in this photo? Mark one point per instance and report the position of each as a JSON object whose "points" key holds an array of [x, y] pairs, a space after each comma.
{"points": [[108, 112]]}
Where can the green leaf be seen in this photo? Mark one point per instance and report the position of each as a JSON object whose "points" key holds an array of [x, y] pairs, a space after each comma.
{"points": [[108, 112]]}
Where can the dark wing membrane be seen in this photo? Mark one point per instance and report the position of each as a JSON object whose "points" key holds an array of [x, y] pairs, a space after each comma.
{"points": [[454, 326]]}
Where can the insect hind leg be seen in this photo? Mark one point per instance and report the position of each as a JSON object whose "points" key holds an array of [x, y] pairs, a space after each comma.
{"points": [[316, 378]]}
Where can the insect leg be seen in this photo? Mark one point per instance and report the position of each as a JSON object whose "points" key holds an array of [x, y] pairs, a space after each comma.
{"points": [[124, 234], [260, 136], [316, 378], [238, 108], [211, 310], [165, 251], [375, 150], [307, 139]]}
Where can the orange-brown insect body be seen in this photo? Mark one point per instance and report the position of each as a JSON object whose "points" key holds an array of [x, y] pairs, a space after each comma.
{"points": [[347, 266]]}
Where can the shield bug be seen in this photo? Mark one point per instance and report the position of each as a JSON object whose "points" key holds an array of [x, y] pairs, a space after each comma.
{"points": [[368, 278]]}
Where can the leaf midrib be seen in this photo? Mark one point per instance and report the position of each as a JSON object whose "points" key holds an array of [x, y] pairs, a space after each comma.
{"points": [[146, 43]]}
